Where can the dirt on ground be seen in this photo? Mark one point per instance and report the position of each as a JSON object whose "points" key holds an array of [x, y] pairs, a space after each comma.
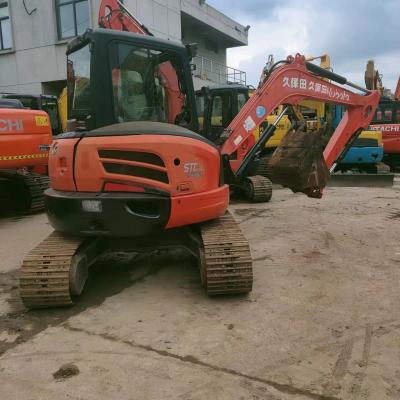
{"points": [[322, 322]]}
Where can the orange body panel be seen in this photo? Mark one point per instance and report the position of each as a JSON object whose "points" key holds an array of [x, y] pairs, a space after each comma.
{"points": [[196, 171], [24, 135], [189, 167], [61, 165], [194, 208]]}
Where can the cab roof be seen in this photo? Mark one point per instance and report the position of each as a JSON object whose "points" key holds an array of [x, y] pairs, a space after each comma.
{"points": [[147, 40]]}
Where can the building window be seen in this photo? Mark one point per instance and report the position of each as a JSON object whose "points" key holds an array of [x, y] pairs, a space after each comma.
{"points": [[5, 27], [72, 17]]}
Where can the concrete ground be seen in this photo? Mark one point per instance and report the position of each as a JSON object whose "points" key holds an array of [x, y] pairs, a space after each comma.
{"points": [[323, 320]]}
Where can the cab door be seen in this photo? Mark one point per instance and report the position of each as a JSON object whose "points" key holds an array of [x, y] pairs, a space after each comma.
{"points": [[222, 106], [220, 114]]}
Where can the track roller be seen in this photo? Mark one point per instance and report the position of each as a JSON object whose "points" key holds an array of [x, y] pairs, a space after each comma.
{"points": [[257, 189], [225, 258], [56, 270]]}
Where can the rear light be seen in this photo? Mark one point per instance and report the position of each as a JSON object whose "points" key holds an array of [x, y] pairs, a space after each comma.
{"points": [[120, 187]]}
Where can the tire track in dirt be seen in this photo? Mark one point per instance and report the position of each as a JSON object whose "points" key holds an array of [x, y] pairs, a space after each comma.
{"points": [[281, 387], [360, 376], [332, 388]]}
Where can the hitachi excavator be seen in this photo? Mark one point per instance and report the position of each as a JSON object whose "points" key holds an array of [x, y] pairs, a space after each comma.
{"points": [[136, 177], [25, 138], [387, 116]]}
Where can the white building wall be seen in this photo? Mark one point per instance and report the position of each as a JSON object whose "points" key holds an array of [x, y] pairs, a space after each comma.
{"points": [[38, 56]]}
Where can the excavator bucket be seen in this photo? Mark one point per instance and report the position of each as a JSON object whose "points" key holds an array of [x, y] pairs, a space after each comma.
{"points": [[298, 163]]}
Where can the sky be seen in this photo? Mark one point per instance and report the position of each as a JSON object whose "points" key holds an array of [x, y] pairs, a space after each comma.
{"points": [[350, 31]]}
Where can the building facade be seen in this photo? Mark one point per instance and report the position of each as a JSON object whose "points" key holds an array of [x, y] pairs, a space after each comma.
{"points": [[34, 35]]}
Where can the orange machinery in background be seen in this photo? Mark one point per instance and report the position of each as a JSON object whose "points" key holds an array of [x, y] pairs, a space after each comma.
{"points": [[25, 138]]}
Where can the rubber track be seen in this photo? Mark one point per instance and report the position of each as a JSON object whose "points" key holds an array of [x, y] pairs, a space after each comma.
{"points": [[44, 275], [262, 189], [36, 185], [263, 167], [227, 265]]}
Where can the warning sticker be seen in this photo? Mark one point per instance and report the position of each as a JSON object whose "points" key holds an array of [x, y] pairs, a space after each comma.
{"points": [[238, 140], [23, 157], [249, 124], [41, 120]]}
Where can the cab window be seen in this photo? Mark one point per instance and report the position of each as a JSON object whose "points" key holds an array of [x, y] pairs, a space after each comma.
{"points": [[221, 110], [51, 107], [147, 85], [241, 101], [200, 110], [388, 115]]}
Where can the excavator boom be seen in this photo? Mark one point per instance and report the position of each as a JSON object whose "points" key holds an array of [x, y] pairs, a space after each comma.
{"points": [[114, 15], [290, 84]]}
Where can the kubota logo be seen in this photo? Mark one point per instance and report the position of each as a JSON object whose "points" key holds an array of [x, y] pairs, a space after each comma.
{"points": [[10, 125], [193, 169]]}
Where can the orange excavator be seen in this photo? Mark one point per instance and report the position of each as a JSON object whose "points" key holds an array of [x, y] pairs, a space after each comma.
{"points": [[25, 138], [136, 177], [387, 117]]}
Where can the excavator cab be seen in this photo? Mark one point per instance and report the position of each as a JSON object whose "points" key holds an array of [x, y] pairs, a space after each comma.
{"points": [[217, 106], [133, 120], [149, 80]]}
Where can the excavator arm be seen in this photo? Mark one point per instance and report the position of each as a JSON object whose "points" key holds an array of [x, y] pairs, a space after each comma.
{"points": [[289, 84], [114, 15]]}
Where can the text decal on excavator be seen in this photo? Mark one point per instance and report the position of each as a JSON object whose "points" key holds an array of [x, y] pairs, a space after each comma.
{"points": [[312, 86], [193, 169], [386, 128], [41, 120], [10, 125]]}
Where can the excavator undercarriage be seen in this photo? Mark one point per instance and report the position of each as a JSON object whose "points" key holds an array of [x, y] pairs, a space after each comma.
{"points": [[55, 272]]}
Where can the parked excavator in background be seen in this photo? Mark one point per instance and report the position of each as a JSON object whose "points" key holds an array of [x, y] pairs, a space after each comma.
{"points": [[387, 117], [44, 102], [25, 138], [135, 168]]}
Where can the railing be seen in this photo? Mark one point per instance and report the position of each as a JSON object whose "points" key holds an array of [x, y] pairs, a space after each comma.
{"points": [[213, 71]]}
